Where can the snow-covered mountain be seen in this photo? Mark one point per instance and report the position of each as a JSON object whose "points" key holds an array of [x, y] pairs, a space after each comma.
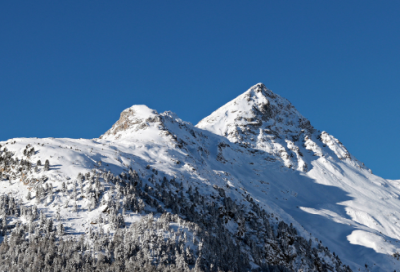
{"points": [[265, 121], [253, 186]]}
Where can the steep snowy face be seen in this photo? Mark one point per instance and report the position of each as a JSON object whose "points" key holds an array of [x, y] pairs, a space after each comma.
{"points": [[261, 119]]}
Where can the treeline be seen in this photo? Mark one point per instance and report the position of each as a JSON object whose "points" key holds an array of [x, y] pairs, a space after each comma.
{"points": [[180, 230]]}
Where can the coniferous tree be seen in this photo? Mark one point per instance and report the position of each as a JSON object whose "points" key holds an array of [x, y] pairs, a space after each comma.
{"points": [[47, 165], [38, 195], [64, 187], [75, 207], [58, 214], [60, 229]]}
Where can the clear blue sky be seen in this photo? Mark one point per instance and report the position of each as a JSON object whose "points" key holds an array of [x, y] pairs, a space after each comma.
{"points": [[68, 68]]}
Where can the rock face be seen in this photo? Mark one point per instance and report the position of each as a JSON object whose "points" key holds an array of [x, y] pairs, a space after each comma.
{"points": [[131, 120]]}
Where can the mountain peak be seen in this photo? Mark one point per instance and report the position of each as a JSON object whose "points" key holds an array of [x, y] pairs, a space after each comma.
{"points": [[257, 108], [261, 89], [263, 120], [135, 118], [259, 86]]}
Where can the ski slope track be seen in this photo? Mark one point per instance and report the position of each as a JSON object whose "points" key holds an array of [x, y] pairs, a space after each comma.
{"points": [[286, 195]]}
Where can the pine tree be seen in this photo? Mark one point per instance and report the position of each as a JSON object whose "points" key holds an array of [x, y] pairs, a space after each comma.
{"points": [[28, 197], [47, 165], [60, 229], [64, 187], [4, 224], [93, 202], [58, 214], [38, 195]]}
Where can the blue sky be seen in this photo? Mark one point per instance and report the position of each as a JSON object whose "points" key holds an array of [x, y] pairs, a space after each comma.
{"points": [[68, 68]]}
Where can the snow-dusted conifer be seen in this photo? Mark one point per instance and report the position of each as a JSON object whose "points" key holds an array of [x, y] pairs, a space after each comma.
{"points": [[47, 165], [28, 196], [64, 187], [58, 214], [60, 229], [38, 196], [75, 207]]}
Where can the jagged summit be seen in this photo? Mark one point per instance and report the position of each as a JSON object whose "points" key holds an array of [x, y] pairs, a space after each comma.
{"points": [[139, 123], [133, 119], [257, 108], [263, 120]]}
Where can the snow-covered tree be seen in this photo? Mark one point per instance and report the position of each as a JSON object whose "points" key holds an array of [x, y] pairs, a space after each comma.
{"points": [[47, 165]]}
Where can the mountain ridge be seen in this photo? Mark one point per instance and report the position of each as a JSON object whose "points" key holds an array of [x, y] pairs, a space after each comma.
{"points": [[264, 173]]}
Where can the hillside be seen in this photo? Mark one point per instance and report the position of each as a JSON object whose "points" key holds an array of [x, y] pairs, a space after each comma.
{"points": [[253, 186]]}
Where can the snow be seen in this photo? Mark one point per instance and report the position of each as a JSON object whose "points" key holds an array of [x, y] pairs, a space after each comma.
{"points": [[339, 199], [370, 240], [257, 144]]}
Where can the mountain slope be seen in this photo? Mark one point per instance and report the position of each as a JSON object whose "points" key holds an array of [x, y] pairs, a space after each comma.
{"points": [[252, 186], [360, 208]]}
